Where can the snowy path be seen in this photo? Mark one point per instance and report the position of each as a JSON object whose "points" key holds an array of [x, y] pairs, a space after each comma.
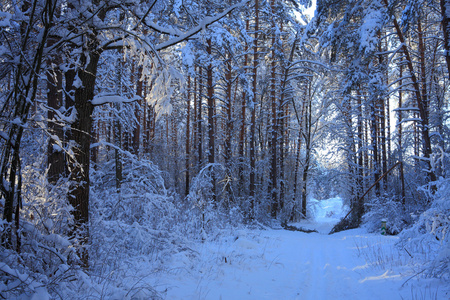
{"points": [[281, 264]]}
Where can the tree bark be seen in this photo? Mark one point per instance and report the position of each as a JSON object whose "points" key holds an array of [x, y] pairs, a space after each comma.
{"points": [[195, 118], [188, 136], [445, 11], [81, 129], [137, 112], [360, 158], [211, 114], [298, 155], [274, 126], [374, 141], [229, 124], [243, 123], [253, 113], [308, 141], [55, 154], [118, 154], [200, 121], [400, 127]]}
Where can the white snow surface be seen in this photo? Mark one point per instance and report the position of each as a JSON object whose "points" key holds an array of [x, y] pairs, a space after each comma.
{"points": [[282, 264]]}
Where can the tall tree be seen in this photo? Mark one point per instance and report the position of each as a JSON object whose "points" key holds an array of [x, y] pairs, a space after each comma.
{"points": [[211, 101], [188, 135], [445, 11], [421, 104], [274, 126], [55, 156], [252, 141]]}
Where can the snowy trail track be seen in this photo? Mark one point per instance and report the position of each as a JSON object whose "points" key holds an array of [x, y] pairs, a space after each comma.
{"points": [[281, 264]]}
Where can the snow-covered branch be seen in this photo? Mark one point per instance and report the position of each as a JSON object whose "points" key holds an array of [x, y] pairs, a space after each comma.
{"points": [[203, 24], [103, 99]]}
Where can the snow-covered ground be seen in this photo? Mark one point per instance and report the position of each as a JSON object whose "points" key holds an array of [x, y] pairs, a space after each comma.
{"points": [[281, 264]]}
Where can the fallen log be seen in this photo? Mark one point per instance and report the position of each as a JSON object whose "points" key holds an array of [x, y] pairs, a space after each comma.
{"points": [[294, 228]]}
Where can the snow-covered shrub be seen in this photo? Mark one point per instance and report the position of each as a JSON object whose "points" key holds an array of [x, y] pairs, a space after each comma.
{"points": [[136, 219], [43, 264], [133, 229], [428, 239], [207, 214], [390, 209], [201, 198], [133, 232]]}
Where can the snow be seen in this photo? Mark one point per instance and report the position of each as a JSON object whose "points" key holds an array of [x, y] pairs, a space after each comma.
{"points": [[40, 294], [244, 263], [281, 264], [409, 120], [368, 31], [103, 99], [203, 24], [413, 108], [3, 135], [5, 19], [326, 213], [77, 83], [17, 121]]}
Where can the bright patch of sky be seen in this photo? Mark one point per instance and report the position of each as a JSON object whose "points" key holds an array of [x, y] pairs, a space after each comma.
{"points": [[309, 12]]}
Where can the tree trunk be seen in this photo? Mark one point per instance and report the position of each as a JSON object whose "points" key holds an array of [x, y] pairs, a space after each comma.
{"points": [[274, 126], [253, 113], [380, 117], [55, 154], [211, 114], [283, 119], [423, 77], [229, 124], [195, 118], [200, 121], [79, 190], [188, 136], [69, 99], [149, 121], [400, 127], [298, 155], [151, 128], [382, 121], [308, 141], [374, 141], [243, 123], [360, 158], [445, 11], [119, 140], [137, 112], [117, 153]]}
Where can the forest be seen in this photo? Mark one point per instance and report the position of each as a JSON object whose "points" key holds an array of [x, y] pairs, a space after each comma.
{"points": [[132, 128]]}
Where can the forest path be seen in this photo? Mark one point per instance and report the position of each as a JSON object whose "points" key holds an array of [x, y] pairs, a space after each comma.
{"points": [[328, 267], [281, 264]]}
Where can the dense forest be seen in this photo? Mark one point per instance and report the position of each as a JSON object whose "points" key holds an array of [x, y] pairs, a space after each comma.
{"points": [[130, 126]]}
